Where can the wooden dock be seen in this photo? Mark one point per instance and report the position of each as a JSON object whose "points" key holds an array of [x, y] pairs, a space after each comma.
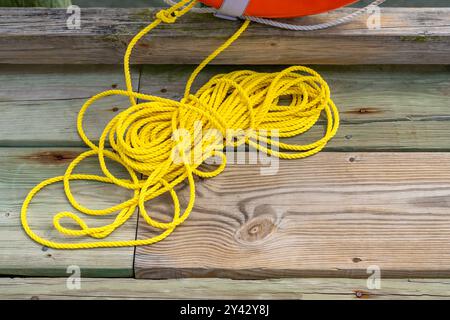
{"points": [[378, 196]]}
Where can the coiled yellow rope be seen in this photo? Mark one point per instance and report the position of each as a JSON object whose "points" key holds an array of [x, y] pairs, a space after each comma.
{"points": [[144, 137]]}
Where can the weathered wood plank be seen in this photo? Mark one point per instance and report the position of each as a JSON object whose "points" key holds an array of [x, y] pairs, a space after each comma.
{"points": [[334, 214], [20, 170], [305, 289], [36, 3], [39, 105], [383, 107], [408, 3], [407, 36], [154, 3]]}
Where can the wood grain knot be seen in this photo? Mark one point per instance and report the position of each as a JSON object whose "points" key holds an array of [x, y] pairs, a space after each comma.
{"points": [[366, 110], [52, 157], [144, 45], [357, 260], [257, 229]]}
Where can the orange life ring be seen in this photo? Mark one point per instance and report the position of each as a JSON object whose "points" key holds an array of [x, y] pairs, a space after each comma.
{"points": [[285, 8]]}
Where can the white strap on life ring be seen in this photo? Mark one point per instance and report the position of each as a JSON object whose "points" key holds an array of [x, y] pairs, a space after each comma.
{"points": [[232, 9]]}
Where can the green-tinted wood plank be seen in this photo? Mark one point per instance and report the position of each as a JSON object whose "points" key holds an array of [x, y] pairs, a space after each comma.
{"points": [[39, 105], [20, 170], [35, 3], [382, 107]]}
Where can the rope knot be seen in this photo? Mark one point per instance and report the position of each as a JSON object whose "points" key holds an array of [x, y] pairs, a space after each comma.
{"points": [[167, 16]]}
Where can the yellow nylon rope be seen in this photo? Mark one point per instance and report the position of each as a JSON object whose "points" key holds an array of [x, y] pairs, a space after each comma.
{"points": [[142, 137]]}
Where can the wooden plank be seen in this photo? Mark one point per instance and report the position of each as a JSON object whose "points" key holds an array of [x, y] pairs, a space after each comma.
{"points": [[334, 214], [36, 3], [39, 104], [119, 3], [305, 289], [382, 107], [20, 170], [407, 36], [407, 3], [154, 3]]}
